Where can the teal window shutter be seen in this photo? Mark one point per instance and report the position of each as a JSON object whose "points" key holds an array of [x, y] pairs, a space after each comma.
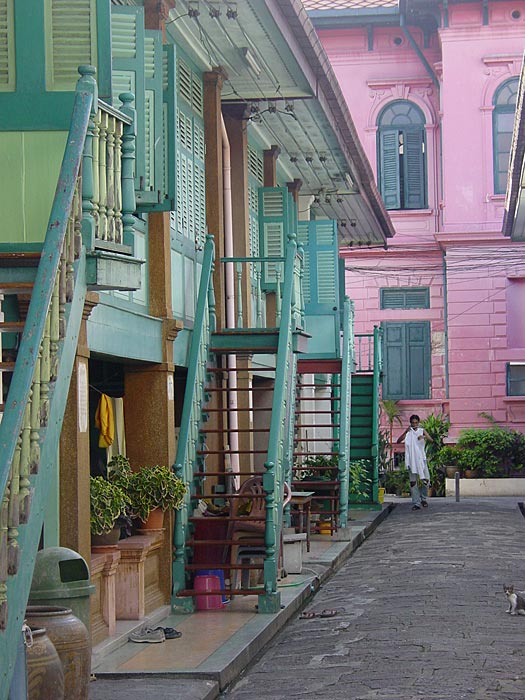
{"points": [[7, 46], [71, 41], [389, 169], [414, 170], [405, 298], [127, 50], [152, 191], [401, 156], [406, 360], [502, 127], [318, 240], [169, 117], [274, 220]]}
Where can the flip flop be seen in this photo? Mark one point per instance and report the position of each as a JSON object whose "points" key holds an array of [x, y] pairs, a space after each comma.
{"points": [[328, 613], [424, 504], [307, 615]]}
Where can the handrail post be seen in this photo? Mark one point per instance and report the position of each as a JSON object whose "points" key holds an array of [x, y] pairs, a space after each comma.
{"points": [[88, 83]]}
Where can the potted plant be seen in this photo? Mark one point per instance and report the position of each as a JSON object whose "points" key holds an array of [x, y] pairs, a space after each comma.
{"points": [[358, 479], [109, 510], [153, 488]]}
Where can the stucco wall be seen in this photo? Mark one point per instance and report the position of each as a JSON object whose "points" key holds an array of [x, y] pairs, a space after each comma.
{"points": [[462, 223]]}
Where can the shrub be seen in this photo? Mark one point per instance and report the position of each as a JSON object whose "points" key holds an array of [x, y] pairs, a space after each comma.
{"points": [[359, 480], [494, 451]]}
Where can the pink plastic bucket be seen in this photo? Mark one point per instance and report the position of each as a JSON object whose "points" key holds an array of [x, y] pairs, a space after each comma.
{"points": [[208, 602]]}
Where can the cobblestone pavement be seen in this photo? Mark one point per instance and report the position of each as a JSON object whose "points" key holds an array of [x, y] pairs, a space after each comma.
{"points": [[421, 614]]}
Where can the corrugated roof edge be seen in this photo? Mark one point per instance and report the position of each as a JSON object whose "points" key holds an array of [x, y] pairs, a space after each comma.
{"points": [[301, 24]]}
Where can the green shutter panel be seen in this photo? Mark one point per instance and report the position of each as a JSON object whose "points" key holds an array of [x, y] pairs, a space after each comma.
{"points": [[127, 50], [418, 360], [394, 353], [273, 229], [71, 41], [151, 190], [414, 170], [7, 46], [169, 119], [318, 240], [389, 168], [199, 183]]}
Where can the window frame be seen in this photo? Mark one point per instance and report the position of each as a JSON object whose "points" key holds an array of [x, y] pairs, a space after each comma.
{"points": [[401, 169], [407, 377], [510, 380], [497, 111]]}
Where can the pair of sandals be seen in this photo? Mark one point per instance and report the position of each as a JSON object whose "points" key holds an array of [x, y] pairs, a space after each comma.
{"points": [[308, 615], [424, 504]]}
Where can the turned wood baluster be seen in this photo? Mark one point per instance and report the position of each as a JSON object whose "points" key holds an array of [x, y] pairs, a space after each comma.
{"points": [[278, 294], [128, 168], [45, 374], [96, 187], [118, 182], [54, 327], [35, 418], [13, 519], [25, 459], [4, 509], [110, 175], [258, 273], [102, 178], [62, 286]]}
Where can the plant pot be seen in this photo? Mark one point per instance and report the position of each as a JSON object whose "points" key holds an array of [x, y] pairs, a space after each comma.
{"points": [[155, 520], [451, 472], [107, 538], [45, 677], [471, 473], [71, 641]]}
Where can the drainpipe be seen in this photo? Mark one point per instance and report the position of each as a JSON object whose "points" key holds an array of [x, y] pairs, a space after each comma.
{"points": [[233, 424]]}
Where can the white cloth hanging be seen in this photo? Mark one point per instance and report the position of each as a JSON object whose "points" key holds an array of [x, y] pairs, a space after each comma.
{"points": [[415, 457]]}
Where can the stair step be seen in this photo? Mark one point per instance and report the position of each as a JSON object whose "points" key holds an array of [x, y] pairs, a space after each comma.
{"points": [[190, 592], [250, 370], [244, 542], [237, 430], [225, 565], [11, 326], [19, 258], [301, 386], [237, 409], [232, 452], [16, 287]]}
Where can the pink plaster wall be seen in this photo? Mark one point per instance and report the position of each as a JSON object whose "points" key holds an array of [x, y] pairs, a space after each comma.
{"points": [[480, 302]]}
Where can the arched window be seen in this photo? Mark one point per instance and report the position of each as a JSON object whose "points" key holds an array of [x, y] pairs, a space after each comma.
{"points": [[502, 124], [401, 156]]}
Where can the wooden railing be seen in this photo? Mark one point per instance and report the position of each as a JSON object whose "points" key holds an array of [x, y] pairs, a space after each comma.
{"points": [[185, 460], [34, 408], [250, 302], [108, 190]]}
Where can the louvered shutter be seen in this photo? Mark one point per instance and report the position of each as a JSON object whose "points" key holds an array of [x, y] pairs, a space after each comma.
{"points": [[152, 191], [71, 39], [389, 168], [318, 240], [127, 50], [7, 55], [414, 176], [405, 298], [406, 353], [169, 118], [273, 230]]}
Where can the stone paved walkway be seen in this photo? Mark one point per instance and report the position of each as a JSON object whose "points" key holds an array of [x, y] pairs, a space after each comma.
{"points": [[421, 615]]}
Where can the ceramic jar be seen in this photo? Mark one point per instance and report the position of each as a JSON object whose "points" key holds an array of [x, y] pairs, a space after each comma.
{"points": [[45, 677], [71, 641]]}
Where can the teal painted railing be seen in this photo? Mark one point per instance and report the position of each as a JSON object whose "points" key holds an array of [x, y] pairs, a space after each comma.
{"points": [[185, 461], [280, 441], [345, 408], [31, 424], [378, 372], [249, 299]]}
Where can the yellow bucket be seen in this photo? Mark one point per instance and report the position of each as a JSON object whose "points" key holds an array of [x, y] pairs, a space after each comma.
{"points": [[381, 494]]}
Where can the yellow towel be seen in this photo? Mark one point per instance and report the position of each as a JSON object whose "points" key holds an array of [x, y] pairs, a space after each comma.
{"points": [[105, 421]]}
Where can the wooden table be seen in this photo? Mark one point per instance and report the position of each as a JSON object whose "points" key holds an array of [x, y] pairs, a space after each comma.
{"points": [[303, 501]]}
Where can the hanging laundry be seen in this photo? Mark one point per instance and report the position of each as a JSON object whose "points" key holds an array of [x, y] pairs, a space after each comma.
{"points": [[105, 421]]}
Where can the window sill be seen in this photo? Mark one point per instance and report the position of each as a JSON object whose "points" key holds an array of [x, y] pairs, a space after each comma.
{"points": [[396, 213], [514, 399], [496, 198]]}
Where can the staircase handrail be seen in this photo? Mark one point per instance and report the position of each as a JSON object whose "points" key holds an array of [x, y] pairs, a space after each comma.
{"points": [[193, 399], [278, 449], [35, 405], [345, 411], [13, 417]]}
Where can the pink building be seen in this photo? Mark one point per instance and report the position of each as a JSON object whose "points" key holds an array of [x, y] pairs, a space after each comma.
{"points": [[432, 90]]}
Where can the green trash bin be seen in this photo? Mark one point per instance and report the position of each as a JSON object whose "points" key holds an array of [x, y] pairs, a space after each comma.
{"points": [[61, 577]]}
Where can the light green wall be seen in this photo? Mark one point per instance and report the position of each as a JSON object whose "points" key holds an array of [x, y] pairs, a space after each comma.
{"points": [[29, 169]]}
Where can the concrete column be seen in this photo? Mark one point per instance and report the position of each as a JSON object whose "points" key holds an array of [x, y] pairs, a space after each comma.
{"points": [[74, 451]]}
